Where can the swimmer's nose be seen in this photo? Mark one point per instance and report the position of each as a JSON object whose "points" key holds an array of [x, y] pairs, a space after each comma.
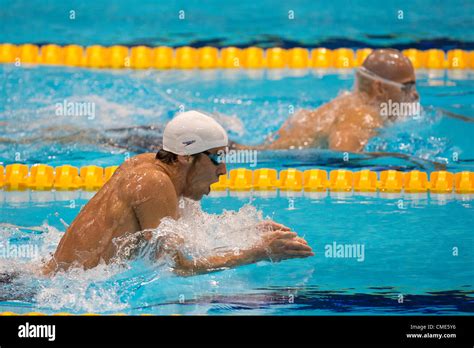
{"points": [[221, 169], [415, 96]]}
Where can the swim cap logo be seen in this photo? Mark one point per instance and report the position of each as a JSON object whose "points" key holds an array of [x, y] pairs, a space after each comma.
{"points": [[189, 142]]}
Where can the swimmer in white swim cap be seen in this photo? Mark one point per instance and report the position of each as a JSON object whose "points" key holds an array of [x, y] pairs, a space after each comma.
{"points": [[147, 188]]}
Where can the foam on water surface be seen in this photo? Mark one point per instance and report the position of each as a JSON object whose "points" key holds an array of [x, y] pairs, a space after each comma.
{"points": [[108, 288]]}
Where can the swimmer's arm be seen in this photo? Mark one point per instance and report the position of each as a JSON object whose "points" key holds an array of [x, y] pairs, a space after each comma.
{"points": [[186, 267], [276, 245]]}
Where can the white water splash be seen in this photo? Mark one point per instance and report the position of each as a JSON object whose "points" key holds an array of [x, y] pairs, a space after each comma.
{"points": [[82, 291], [210, 234], [111, 288]]}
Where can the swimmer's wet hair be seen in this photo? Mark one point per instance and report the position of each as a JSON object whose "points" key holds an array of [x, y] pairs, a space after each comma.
{"points": [[169, 157], [166, 156]]}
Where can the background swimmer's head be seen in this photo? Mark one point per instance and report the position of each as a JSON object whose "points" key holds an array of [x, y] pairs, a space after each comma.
{"points": [[387, 74], [191, 143]]}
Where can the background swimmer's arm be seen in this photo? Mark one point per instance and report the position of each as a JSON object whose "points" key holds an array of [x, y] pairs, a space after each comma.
{"points": [[421, 163], [297, 130], [453, 114], [276, 245], [347, 140]]}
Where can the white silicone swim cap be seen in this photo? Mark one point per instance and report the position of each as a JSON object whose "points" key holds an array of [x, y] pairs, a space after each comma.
{"points": [[192, 132]]}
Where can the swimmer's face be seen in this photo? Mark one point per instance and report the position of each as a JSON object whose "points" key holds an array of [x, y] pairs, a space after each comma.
{"points": [[203, 173], [405, 92], [387, 74]]}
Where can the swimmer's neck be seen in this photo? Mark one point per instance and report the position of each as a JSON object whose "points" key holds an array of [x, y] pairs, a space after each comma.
{"points": [[372, 102], [177, 176], [367, 99]]}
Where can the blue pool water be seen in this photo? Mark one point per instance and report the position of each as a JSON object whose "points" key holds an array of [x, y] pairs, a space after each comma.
{"points": [[265, 23], [408, 251], [127, 99], [418, 251]]}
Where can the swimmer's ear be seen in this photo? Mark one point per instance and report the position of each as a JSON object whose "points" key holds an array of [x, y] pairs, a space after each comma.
{"points": [[184, 159], [378, 89]]}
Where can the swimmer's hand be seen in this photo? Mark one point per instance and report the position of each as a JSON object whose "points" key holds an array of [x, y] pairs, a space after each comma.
{"points": [[283, 244], [276, 245], [270, 225]]}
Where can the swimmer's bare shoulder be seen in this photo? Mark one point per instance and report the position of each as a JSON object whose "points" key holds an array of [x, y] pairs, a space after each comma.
{"points": [[149, 191], [137, 197], [357, 122], [309, 128]]}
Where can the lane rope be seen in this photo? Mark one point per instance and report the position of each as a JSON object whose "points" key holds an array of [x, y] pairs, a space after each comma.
{"points": [[164, 57], [42, 177]]}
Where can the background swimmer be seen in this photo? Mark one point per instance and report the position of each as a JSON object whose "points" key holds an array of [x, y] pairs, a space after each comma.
{"points": [[350, 120], [343, 124], [146, 189]]}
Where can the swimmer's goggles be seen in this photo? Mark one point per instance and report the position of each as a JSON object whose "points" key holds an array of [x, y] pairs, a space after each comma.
{"points": [[214, 157], [406, 87]]}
